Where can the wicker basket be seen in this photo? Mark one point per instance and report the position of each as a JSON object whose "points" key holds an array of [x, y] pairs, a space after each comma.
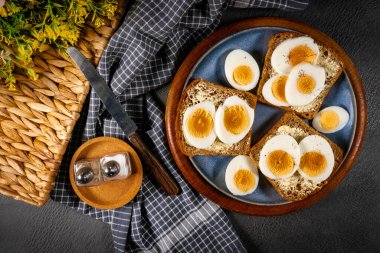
{"points": [[37, 120]]}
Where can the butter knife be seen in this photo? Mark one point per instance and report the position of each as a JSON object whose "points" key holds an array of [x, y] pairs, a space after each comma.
{"points": [[158, 171]]}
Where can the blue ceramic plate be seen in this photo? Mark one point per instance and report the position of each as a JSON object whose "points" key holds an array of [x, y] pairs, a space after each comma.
{"points": [[211, 67]]}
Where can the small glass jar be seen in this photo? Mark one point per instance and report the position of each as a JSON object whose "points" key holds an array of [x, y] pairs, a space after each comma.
{"points": [[115, 166], [87, 172]]}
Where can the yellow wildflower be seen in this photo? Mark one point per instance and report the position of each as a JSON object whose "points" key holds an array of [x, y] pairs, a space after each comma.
{"points": [[49, 33], [99, 22], [36, 25], [31, 73], [11, 86], [3, 12], [43, 47]]}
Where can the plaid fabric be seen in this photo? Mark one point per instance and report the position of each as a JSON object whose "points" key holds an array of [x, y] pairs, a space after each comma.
{"points": [[142, 56]]}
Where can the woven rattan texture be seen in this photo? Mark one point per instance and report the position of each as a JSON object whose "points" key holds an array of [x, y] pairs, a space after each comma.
{"points": [[37, 120]]}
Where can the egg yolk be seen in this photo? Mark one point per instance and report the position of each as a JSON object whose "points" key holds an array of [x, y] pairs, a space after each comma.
{"points": [[305, 84], [329, 120], [236, 119], [200, 123], [243, 75], [313, 163], [278, 88], [301, 53], [244, 180], [280, 163]]}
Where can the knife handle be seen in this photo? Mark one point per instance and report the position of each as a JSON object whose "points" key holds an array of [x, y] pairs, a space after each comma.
{"points": [[158, 171]]}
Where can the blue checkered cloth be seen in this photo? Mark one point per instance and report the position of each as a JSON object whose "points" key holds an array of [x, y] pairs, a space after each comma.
{"points": [[141, 56]]}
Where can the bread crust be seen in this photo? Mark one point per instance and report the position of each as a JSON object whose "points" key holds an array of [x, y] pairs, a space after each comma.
{"points": [[217, 93], [327, 56], [301, 188]]}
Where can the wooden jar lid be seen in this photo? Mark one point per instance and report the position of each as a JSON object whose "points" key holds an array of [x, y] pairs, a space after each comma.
{"points": [[112, 194]]}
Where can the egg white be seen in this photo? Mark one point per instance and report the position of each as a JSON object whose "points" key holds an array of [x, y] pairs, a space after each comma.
{"points": [[238, 58], [220, 129], [315, 143], [280, 56], [279, 142], [237, 163], [195, 141], [268, 95], [296, 98], [343, 119]]}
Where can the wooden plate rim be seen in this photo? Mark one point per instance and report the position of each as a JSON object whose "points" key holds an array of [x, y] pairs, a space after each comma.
{"points": [[128, 197], [197, 181]]}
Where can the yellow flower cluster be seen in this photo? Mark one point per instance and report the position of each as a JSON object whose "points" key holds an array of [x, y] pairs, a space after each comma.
{"points": [[27, 26]]}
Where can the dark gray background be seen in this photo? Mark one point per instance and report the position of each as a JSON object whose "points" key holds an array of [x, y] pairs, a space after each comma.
{"points": [[348, 220]]}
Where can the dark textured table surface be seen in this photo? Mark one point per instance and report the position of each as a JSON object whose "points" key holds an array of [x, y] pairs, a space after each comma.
{"points": [[348, 220]]}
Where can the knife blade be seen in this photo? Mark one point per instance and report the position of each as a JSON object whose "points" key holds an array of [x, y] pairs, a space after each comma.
{"points": [[111, 103], [103, 91]]}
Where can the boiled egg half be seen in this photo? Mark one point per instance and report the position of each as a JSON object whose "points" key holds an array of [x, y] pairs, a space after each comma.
{"points": [[241, 176], [305, 82], [241, 70], [198, 124], [331, 119], [274, 90], [291, 52], [280, 156], [317, 158], [233, 120]]}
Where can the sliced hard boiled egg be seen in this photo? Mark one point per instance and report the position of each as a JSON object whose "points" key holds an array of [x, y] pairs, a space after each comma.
{"points": [[291, 52], [241, 70], [331, 119], [198, 124], [233, 120], [274, 90], [305, 82], [280, 156], [241, 176], [317, 158]]}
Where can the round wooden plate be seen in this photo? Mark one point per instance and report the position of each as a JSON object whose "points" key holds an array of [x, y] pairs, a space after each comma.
{"points": [[199, 180], [112, 194]]}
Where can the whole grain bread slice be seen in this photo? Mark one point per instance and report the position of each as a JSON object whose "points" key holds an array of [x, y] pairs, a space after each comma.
{"points": [[328, 59], [296, 187], [200, 90]]}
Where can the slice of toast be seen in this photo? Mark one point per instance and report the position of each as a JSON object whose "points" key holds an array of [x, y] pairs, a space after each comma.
{"points": [[295, 187], [328, 59], [200, 90]]}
